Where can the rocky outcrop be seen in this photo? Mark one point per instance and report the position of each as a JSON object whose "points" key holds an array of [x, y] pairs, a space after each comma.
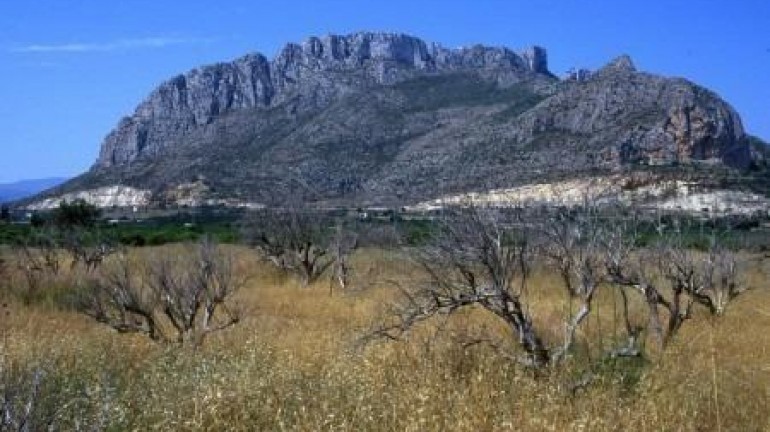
{"points": [[634, 118], [537, 59], [706, 133], [185, 102], [317, 70]]}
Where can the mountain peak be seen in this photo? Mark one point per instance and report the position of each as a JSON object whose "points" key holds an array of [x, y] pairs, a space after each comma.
{"points": [[623, 63]]}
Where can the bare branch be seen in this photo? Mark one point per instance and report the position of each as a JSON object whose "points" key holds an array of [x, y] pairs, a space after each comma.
{"points": [[474, 260], [574, 244], [118, 298], [187, 292], [342, 246], [294, 240]]}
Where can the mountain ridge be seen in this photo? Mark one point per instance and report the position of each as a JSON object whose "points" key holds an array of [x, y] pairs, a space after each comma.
{"points": [[383, 118], [252, 81]]}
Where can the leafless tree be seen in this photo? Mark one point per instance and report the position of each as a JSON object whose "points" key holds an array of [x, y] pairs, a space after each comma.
{"points": [[118, 297], [180, 298], [193, 294], [672, 277], [38, 258], [41, 251], [475, 260], [710, 278], [573, 245], [292, 239], [481, 258], [342, 246], [87, 247]]}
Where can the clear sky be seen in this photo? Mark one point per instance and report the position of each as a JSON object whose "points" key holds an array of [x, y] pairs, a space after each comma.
{"points": [[69, 70]]}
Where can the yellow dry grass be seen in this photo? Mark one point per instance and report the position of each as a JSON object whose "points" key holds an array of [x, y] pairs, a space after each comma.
{"points": [[291, 364]]}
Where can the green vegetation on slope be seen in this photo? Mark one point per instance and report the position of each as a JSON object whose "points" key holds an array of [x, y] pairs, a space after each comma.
{"points": [[430, 93]]}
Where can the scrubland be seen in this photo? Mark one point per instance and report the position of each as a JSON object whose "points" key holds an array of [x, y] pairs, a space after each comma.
{"points": [[295, 362]]}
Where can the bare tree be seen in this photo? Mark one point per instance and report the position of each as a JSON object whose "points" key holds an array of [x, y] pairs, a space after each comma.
{"points": [[710, 278], [293, 240], [342, 246], [480, 258], [671, 277], [180, 298], [193, 294], [38, 258], [475, 260], [483, 258], [118, 297], [573, 245], [88, 247]]}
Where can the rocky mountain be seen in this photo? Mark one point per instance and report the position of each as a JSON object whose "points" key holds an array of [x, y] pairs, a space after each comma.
{"points": [[302, 78], [389, 119]]}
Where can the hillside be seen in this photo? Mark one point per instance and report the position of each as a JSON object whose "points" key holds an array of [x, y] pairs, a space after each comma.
{"points": [[387, 119]]}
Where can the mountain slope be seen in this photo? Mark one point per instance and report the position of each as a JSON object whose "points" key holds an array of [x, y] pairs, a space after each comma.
{"points": [[385, 119], [24, 188]]}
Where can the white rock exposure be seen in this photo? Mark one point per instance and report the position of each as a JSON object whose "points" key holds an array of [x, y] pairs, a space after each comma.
{"points": [[186, 195], [719, 201], [665, 195], [104, 197]]}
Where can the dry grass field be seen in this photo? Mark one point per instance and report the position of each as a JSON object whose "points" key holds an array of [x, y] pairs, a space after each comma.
{"points": [[293, 363]]}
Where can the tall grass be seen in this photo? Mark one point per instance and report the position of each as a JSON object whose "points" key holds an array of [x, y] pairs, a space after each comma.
{"points": [[293, 364]]}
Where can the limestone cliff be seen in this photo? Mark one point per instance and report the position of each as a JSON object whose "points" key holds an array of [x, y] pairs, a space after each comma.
{"points": [[316, 70]]}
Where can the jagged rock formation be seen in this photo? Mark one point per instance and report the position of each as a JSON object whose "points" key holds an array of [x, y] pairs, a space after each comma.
{"points": [[378, 118], [315, 71]]}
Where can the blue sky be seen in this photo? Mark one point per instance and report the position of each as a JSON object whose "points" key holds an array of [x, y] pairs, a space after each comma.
{"points": [[69, 70]]}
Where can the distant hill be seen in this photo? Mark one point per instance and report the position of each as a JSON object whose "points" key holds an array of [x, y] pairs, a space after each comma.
{"points": [[374, 119], [24, 188]]}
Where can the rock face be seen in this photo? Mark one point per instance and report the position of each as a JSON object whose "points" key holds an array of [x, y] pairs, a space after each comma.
{"points": [[630, 117], [537, 59], [312, 69], [380, 118]]}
